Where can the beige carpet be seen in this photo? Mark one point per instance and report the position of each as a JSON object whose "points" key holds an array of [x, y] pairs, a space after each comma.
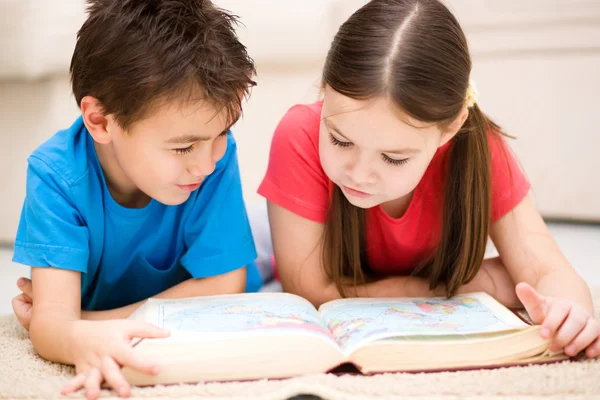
{"points": [[23, 375]]}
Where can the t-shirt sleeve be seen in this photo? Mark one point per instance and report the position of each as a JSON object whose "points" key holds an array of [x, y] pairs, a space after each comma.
{"points": [[295, 179], [217, 232], [51, 231], [509, 183]]}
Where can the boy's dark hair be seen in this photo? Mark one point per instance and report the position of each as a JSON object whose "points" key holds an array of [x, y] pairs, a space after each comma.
{"points": [[133, 55]]}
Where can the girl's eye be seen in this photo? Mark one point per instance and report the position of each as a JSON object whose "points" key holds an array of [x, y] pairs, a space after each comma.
{"points": [[184, 150], [393, 161], [337, 142]]}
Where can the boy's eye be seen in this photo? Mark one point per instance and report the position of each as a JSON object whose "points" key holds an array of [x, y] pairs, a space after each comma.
{"points": [[189, 149], [337, 142], [184, 150], [393, 161]]}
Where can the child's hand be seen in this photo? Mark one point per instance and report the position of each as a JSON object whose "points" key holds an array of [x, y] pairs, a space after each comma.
{"points": [[23, 303], [100, 348], [570, 326]]}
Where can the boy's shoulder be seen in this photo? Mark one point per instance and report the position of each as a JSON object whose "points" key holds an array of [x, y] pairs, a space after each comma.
{"points": [[64, 154], [230, 158]]}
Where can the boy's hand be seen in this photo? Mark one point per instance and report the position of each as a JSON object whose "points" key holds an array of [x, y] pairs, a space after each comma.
{"points": [[570, 326], [100, 348], [23, 304]]}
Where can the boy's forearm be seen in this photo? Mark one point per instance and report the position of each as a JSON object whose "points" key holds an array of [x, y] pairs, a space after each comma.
{"points": [[117, 313], [233, 282], [51, 334]]}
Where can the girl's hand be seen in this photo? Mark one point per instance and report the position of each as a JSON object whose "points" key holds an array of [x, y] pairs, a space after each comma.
{"points": [[570, 327], [100, 348]]}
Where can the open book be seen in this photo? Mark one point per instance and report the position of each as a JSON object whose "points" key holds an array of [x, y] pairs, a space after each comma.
{"points": [[277, 335]]}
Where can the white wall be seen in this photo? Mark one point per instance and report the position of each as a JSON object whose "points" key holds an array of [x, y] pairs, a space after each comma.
{"points": [[536, 66]]}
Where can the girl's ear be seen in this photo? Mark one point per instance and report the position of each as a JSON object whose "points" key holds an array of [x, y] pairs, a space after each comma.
{"points": [[451, 130], [94, 119]]}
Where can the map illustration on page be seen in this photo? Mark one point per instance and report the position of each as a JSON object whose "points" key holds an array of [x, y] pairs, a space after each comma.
{"points": [[222, 315], [354, 322]]}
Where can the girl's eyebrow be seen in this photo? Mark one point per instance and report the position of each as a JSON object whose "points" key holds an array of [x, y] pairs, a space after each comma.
{"points": [[407, 150]]}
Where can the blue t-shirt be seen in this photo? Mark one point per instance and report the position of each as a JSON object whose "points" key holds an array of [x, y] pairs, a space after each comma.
{"points": [[70, 221]]}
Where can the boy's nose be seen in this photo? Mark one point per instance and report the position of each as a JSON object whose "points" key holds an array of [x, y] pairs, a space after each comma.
{"points": [[204, 165]]}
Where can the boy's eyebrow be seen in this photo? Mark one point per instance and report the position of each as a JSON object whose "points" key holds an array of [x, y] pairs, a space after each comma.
{"points": [[191, 138], [407, 150], [188, 139]]}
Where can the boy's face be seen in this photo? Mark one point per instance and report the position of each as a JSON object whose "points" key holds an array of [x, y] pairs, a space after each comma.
{"points": [[167, 155]]}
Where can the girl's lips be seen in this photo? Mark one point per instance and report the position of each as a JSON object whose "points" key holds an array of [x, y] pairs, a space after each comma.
{"points": [[355, 193]]}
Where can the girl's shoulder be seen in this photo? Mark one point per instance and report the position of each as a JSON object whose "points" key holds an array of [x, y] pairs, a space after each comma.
{"points": [[301, 123]]}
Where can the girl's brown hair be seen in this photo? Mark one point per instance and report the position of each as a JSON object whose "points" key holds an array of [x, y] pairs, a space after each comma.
{"points": [[415, 53]]}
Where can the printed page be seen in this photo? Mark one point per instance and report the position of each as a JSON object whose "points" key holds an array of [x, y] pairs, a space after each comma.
{"points": [[354, 322], [228, 316]]}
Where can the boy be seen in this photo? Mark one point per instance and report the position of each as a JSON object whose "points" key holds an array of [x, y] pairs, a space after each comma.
{"points": [[141, 196]]}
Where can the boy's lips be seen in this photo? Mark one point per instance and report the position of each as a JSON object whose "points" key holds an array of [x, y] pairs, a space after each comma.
{"points": [[190, 188]]}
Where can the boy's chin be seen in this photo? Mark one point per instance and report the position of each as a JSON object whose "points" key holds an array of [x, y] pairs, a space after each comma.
{"points": [[171, 200]]}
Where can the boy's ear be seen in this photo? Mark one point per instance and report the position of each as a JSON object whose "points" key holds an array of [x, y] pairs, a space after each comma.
{"points": [[94, 119], [452, 129]]}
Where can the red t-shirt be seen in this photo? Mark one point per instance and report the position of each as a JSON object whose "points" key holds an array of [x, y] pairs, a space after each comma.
{"points": [[296, 181]]}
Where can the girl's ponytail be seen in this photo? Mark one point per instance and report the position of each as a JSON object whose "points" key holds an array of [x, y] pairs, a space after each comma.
{"points": [[466, 214]]}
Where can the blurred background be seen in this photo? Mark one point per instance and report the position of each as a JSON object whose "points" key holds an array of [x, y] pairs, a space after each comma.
{"points": [[536, 65]]}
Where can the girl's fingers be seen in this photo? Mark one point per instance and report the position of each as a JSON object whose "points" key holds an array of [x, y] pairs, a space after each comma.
{"points": [[92, 384], [113, 376], [74, 384], [557, 315], [574, 323], [535, 304], [586, 337]]}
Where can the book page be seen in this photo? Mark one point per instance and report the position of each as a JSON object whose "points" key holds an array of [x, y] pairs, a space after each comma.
{"points": [[354, 322], [213, 317]]}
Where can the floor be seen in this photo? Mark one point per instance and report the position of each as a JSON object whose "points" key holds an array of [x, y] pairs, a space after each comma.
{"points": [[580, 243]]}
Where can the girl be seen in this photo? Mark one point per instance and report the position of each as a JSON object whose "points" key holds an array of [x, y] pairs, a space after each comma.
{"points": [[392, 183]]}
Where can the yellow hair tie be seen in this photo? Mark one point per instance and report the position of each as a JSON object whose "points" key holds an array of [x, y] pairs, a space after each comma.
{"points": [[472, 94]]}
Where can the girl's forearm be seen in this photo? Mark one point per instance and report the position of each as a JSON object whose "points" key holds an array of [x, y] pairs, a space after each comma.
{"points": [[566, 284], [494, 279], [393, 286]]}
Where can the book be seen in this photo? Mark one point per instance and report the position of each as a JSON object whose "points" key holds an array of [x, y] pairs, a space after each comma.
{"points": [[279, 335]]}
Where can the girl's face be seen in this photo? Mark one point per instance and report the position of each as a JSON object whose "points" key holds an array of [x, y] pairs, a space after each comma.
{"points": [[374, 152]]}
